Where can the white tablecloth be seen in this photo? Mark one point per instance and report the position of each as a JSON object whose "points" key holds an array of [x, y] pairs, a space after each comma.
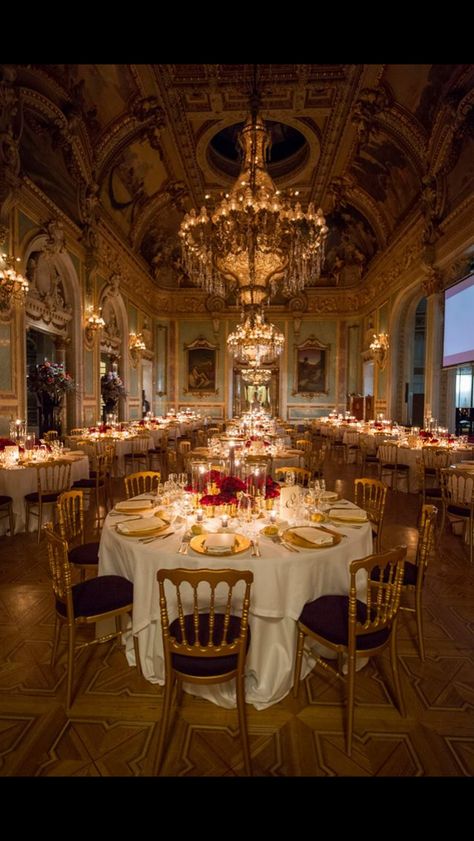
{"points": [[283, 582], [23, 480]]}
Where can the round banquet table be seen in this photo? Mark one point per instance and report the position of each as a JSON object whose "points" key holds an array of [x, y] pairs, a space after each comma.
{"points": [[283, 582]]}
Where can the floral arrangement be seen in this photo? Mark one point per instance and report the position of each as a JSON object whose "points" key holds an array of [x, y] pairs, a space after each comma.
{"points": [[111, 386], [6, 442], [50, 378], [229, 486], [103, 427]]}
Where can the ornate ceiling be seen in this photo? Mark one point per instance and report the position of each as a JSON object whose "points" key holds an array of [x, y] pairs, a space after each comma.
{"points": [[138, 145]]}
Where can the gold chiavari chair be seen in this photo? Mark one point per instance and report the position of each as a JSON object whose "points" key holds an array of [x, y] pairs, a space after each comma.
{"points": [[51, 435], [103, 597], [370, 494], [184, 448], [429, 465], [52, 479], [369, 458], [351, 441], [316, 461], [70, 515], [203, 645], [414, 574], [96, 483], [457, 493], [138, 454], [302, 475], [389, 465], [357, 627], [146, 481], [160, 454], [77, 431]]}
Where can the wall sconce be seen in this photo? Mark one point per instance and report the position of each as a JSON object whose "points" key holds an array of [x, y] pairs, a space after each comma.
{"points": [[136, 346], [94, 323], [13, 286], [379, 347]]}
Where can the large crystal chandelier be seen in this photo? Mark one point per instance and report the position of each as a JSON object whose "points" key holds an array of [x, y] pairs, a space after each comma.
{"points": [[254, 237], [255, 339], [256, 376]]}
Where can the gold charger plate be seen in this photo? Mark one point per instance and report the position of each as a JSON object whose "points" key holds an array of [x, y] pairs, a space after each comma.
{"points": [[290, 537], [151, 532], [197, 543], [134, 509]]}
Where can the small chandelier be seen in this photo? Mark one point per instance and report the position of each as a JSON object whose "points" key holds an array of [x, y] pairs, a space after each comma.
{"points": [[254, 238], [136, 346], [256, 376], [255, 339], [13, 286], [94, 323], [379, 347]]}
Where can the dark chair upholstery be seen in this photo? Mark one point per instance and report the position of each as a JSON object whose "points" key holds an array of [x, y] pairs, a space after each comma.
{"points": [[218, 654]]}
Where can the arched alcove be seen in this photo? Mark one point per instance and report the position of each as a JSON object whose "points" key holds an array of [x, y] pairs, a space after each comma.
{"points": [[407, 339]]}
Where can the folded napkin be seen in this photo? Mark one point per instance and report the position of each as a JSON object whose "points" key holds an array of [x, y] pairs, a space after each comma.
{"points": [[314, 536], [219, 543], [349, 514], [141, 526], [128, 504]]}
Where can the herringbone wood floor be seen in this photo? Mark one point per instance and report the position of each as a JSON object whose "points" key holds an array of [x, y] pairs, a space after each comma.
{"points": [[113, 727]]}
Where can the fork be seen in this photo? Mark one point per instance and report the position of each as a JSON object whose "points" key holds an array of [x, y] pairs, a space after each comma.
{"points": [[278, 539]]}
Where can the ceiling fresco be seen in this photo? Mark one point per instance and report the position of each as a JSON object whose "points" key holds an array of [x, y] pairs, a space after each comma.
{"points": [[139, 145]]}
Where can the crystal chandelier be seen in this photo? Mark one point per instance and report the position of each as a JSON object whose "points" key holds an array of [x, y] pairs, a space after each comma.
{"points": [[13, 286], [136, 342], [255, 339], [253, 238], [94, 323], [256, 376]]}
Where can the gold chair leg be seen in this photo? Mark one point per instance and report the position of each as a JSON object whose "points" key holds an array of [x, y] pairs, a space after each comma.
{"points": [[351, 670], [243, 725], [298, 663], [57, 632], [395, 671], [164, 723], [419, 622], [70, 666]]}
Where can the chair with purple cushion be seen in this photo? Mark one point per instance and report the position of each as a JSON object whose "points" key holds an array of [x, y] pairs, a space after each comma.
{"points": [[357, 627], [103, 597], [70, 515], [207, 643]]}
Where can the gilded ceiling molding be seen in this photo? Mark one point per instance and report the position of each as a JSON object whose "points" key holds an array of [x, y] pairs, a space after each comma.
{"points": [[346, 190], [408, 134]]}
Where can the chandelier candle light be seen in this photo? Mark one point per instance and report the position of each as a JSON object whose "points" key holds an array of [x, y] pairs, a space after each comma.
{"points": [[13, 286]]}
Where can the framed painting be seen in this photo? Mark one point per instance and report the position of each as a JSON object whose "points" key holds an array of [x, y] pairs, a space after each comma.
{"points": [[201, 368], [311, 375]]}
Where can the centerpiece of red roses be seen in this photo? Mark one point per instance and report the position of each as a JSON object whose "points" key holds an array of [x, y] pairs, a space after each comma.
{"points": [[228, 487]]}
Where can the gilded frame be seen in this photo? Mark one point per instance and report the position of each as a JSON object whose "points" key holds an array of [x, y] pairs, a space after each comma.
{"points": [[311, 372], [200, 368]]}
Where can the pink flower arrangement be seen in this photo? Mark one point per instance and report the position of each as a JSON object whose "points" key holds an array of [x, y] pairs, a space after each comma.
{"points": [[50, 377]]}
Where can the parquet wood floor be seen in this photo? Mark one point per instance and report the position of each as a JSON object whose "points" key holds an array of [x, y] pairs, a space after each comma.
{"points": [[114, 725]]}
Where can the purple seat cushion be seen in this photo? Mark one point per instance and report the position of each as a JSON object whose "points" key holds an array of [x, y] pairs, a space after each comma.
{"points": [[85, 483], [99, 595], [86, 553], [206, 666], [5, 500], [458, 510], [34, 497], [328, 617]]}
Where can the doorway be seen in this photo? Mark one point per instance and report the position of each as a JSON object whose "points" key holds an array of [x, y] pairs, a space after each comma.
{"points": [[40, 347], [147, 386]]}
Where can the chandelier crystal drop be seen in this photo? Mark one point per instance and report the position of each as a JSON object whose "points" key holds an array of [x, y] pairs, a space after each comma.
{"points": [[255, 339], [256, 376], [254, 238], [13, 286]]}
